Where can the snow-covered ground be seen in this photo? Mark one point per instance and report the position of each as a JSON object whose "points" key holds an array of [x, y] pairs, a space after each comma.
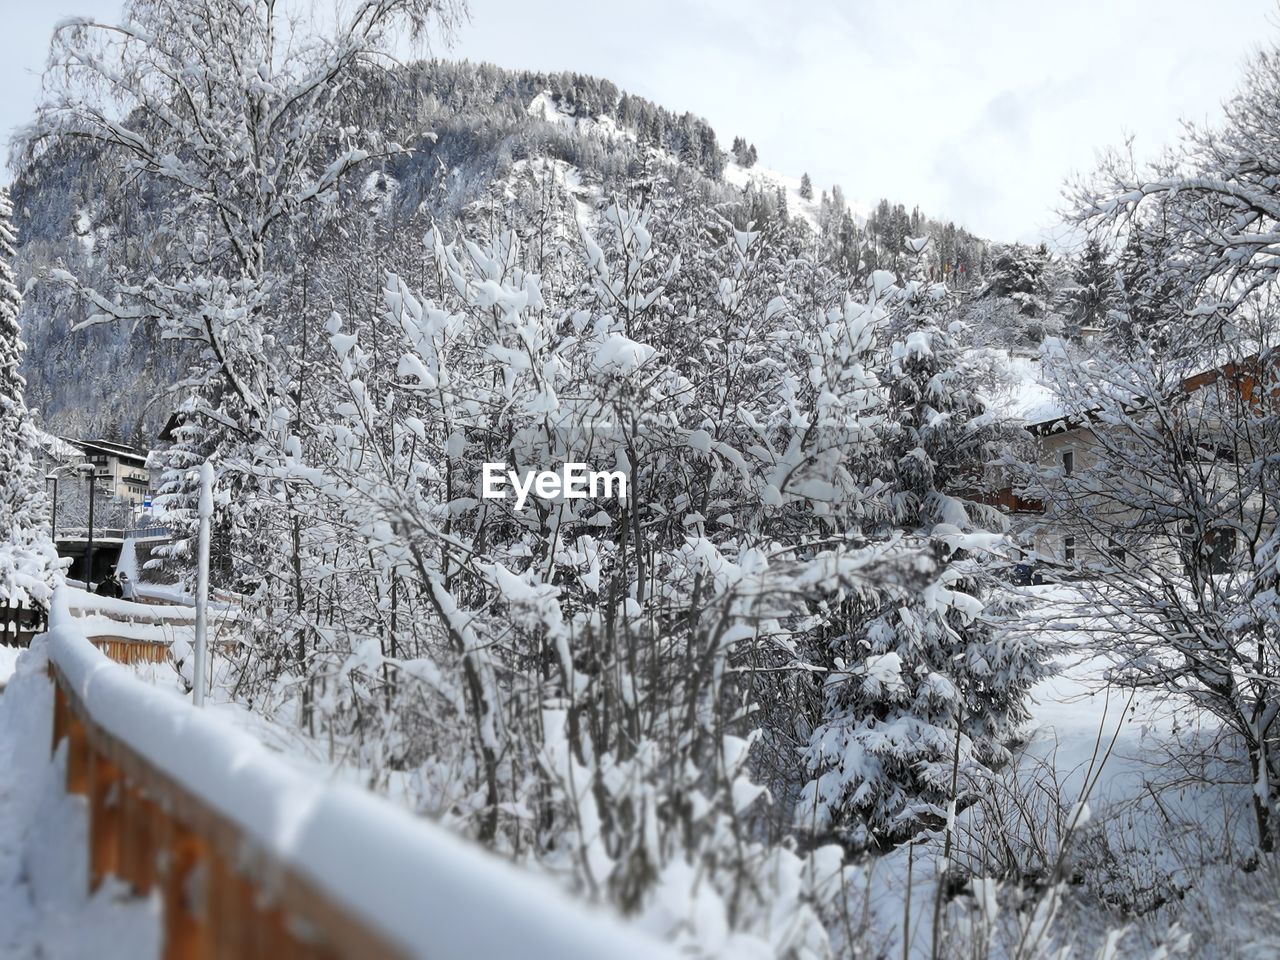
{"points": [[45, 910], [1146, 791], [8, 660]]}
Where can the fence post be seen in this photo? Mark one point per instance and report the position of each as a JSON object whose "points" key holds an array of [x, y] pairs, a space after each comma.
{"points": [[59, 713], [77, 755], [104, 819], [148, 820], [187, 934]]}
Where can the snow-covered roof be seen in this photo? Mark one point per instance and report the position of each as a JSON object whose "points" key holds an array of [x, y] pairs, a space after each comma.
{"points": [[1028, 398], [57, 447], [112, 449]]}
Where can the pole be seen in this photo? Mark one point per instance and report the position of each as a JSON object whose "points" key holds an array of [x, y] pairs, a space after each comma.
{"points": [[88, 553], [202, 585], [53, 513]]}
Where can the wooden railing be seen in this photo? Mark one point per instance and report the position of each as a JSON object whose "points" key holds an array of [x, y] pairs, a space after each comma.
{"points": [[20, 622], [252, 858]]}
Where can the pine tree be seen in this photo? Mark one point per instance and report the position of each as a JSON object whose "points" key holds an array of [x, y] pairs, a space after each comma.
{"points": [[806, 187], [923, 691], [1096, 287], [28, 562], [1020, 273]]}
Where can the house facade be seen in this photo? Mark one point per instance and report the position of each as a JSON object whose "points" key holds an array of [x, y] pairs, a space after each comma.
{"points": [[119, 471], [1091, 528]]}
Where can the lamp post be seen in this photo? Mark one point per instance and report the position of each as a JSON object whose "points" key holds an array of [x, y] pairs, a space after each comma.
{"points": [[53, 513], [87, 469]]}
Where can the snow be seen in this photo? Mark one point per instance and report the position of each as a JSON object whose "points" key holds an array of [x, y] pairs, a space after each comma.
{"points": [[621, 355], [429, 892], [45, 909], [918, 344], [8, 661], [1028, 398], [544, 107], [885, 669], [82, 602], [567, 177], [797, 205]]}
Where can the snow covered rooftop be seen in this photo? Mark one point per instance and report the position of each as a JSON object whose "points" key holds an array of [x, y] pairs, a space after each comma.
{"points": [[111, 449], [1028, 398]]}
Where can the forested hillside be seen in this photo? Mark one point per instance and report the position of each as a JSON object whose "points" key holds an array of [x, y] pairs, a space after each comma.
{"points": [[487, 148]]}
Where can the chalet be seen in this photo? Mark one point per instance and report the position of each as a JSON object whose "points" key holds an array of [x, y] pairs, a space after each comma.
{"points": [[1070, 442], [119, 471]]}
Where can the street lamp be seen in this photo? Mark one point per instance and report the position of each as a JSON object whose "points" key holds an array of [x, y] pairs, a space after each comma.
{"points": [[53, 514], [87, 469]]}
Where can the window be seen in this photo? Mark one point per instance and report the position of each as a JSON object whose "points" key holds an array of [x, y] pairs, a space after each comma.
{"points": [[1069, 549], [1068, 462], [1221, 542]]}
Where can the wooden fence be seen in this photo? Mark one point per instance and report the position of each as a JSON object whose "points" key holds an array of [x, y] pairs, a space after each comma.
{"points": [[154, 835], [19, 623], [186, 814]]}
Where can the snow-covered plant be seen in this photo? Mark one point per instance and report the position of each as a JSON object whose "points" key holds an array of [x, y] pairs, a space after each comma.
{"points": [[921, 693], [1175, 506], [580, 682], [602, 687], [29, 564]]}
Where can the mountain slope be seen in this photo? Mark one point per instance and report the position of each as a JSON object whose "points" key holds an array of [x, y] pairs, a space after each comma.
{"points": [[488, 148]]}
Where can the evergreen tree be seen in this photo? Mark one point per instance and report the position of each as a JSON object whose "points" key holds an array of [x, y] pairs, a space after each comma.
{"points": [[744, 154], [924, 690], [28, 562], [806, 187], [1019, 273], [1152, 292], [1095, 287]]}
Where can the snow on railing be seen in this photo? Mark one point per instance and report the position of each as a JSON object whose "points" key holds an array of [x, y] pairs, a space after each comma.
{"points": [[254, 858]]}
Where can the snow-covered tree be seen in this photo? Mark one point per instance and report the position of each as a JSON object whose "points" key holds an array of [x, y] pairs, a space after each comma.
{"points": [[1212, 199], [923, 693], [1176, 508], [228, 112], [1020, 273], [28, 562], [806, 187], [1172, 507], [1094, 287], [583, 660]]}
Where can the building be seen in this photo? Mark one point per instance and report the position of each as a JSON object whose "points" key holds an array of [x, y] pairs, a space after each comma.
{"points": [[1069, 443], [119, 471]]}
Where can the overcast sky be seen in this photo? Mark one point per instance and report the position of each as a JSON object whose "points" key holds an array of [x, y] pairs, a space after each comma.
{"points": [[975, 111]]}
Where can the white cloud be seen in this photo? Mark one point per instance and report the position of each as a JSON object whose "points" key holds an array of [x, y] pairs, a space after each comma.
{"points": [[974, 111]]}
